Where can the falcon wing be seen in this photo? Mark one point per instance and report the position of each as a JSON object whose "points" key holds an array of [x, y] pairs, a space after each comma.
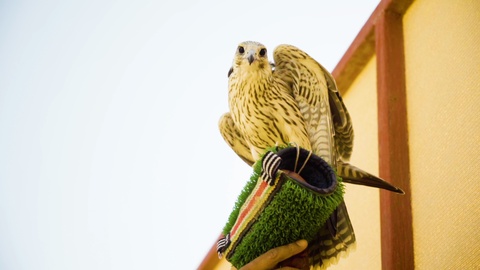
{"points": [[315, 91], [341, 119], [234, 138]]}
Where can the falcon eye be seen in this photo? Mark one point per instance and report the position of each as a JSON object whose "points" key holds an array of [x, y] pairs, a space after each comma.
{"points": [[263, 52], [241, 50]]}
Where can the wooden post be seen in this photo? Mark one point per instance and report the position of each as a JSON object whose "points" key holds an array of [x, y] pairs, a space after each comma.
{"points": [[395, 210]]}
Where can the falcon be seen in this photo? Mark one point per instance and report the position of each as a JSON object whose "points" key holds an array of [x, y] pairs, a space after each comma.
{"points": [[294, 101]]}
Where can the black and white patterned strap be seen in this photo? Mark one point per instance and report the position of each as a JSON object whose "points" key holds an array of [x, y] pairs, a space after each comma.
{"points": [[222, 245], [270, 164]]}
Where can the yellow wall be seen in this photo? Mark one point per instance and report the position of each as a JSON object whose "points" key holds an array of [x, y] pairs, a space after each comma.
{"points": [[442, 48], [363, 202]]}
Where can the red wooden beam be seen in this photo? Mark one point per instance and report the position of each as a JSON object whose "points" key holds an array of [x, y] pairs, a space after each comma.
{"points": [[211, 260], [395, 210], [357, 55]]}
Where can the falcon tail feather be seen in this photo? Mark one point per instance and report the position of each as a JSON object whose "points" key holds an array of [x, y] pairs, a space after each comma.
{"points": [[353, 175]]}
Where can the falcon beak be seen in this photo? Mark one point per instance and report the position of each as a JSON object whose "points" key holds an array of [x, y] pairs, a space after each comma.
{"points": [[251, 56]]}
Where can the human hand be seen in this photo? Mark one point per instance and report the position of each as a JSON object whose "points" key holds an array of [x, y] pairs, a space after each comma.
{"points": [[272, 258]]}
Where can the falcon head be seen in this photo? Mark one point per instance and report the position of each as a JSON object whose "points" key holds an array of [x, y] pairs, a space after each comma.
{"points": [[250, 56]]}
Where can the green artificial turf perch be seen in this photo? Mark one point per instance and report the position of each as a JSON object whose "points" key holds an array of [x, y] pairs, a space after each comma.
{"points": [[277, 211]]}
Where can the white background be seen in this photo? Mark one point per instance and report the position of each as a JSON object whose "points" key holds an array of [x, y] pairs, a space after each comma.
{"points": [[110, 155]]}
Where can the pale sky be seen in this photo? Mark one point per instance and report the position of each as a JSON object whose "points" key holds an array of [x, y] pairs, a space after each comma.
{"points": [[110, 154]]}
